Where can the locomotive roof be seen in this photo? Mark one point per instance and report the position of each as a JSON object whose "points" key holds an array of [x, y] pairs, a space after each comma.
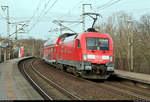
{"points": [[50, 42], [92, 34], [67, 35]]}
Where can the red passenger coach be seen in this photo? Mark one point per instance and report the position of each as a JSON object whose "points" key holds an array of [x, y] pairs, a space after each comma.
{"points": [[89, 54]]}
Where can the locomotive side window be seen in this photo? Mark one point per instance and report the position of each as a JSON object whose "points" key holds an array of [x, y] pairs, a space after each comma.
{"points": [[93, 43], [79, 45]]}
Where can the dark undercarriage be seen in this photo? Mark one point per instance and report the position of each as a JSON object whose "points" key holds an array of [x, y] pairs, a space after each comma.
{"points": [[98, 71]]}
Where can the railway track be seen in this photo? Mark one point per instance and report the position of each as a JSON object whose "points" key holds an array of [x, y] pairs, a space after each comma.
{"points": [[107, 90], [136, 91], [125, 90], [22, 66], [30, 73]]}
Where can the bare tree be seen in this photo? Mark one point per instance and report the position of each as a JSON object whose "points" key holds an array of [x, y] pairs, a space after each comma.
{"points": [[120, 29]]}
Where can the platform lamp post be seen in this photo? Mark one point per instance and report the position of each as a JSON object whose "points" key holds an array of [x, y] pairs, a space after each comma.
{"points": [[130, 44]]}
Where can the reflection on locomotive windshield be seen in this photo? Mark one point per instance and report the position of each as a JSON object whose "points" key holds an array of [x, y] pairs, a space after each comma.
{"points": [[93, 43]]}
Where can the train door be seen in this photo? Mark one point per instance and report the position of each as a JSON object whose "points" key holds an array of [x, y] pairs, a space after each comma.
{"points": [[78, 50]]}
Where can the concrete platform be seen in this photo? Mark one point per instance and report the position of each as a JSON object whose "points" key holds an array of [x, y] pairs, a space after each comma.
{"points": [[13, 86], [143, 78]]}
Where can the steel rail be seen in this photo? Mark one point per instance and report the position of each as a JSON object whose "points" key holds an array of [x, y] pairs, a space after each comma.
{"points": [[33, 82], [56, 85], [129, 93], [140, 94]]}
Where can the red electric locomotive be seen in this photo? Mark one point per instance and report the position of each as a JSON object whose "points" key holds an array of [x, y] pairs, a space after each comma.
{"points": [[89, 54]]}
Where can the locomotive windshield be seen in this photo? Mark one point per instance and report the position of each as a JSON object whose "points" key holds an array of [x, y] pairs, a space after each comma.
{"points": [[93, 43]]}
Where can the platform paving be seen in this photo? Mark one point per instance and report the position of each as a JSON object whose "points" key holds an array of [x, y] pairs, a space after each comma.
{"points": [[143, 78], [13, 86]]}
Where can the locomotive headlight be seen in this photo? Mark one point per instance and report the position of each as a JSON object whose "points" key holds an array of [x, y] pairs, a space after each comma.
{"points": [[110, 58], [85, 57], [105, 57], [91, 56]]}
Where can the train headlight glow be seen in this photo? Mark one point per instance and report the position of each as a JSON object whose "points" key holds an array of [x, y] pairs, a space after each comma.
{"points": [[91, 56], [110, 58], [105, 57], [85, 57]]}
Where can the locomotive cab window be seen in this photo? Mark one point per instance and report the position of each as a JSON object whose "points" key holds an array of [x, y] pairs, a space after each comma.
{"points": [[93, 43]]}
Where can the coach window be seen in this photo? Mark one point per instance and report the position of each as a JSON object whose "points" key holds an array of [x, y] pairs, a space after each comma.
{"points": [[79, 45]]}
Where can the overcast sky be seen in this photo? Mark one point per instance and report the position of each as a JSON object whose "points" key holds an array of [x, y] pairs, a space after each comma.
{"points": [[43, 12]]}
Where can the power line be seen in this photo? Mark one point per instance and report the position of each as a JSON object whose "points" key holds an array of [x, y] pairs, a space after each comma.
{"points": [[72, 8], [56, 29], [113, 3], [108, 4], [38, 18], [44, 14], [47, 12], [2, 16], [37, 9], [38, 6], [46, 4], [104, 5], [74, 24], [50, 7], [61, 25]]}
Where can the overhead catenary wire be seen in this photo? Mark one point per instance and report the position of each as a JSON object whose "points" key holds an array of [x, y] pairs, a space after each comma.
{"points": [[108, 4], [66, 14], [2, 16], [50, 7], [73, 24], [72, 8], [105, 5], [37, 8], [45, 6], [43, 14], [28, 21]]}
